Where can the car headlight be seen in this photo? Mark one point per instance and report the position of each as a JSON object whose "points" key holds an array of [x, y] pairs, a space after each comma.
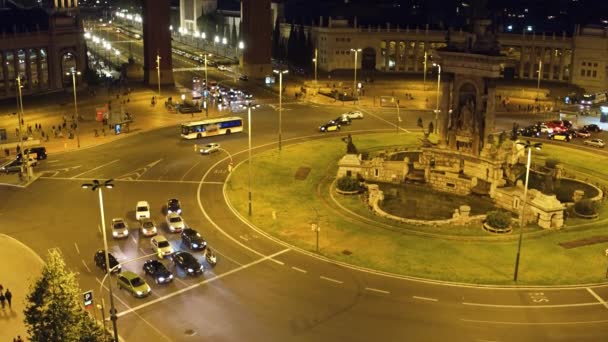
{"points": [[161, 279], [139, 293], [190, 270], [114, 233], [194, 245], [170, 276]]}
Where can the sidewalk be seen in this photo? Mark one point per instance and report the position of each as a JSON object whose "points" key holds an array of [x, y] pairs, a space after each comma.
{"points": [[19, 270]]}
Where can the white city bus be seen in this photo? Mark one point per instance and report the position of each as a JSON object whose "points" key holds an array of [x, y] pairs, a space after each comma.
{"points": [[211, 127]]}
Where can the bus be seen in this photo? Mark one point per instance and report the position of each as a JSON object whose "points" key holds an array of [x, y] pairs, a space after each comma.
{"points": [[589, 99], [211, 127]]}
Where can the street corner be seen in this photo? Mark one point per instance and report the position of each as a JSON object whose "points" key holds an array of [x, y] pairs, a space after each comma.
{"points": [[14, 180]]}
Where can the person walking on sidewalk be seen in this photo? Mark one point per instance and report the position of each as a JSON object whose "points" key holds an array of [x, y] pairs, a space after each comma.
{"points": [[2, 300], [9, 296]]}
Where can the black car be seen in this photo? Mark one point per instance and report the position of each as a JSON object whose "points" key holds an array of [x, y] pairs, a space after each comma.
{"points": [[531, 131], [592, 128], [100, 261], [38, 152], [193, 239], [158, 271], [188, 263], [343, 120], [173, 206]]}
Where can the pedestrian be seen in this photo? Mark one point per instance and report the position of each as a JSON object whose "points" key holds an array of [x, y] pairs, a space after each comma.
{"points": [[40, 127], [19, 339], [16, 132], [22, 122], [9, 297], [2, 299], [7, 152]]}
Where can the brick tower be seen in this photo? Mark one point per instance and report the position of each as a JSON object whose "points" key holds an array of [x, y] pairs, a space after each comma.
{"points": [[157, 41], [257, 33]]}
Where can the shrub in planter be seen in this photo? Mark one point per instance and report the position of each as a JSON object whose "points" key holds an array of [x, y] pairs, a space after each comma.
{"points": [[498, 219], [346, 183], [585, 207]]}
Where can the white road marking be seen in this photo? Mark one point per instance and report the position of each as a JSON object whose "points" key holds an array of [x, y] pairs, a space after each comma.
{"points": [[331, 279], [138, 172], [126, 180], [173, 294], [425, 298], [553, 306], [597, 297], [534, 323], [180, 281], [219, 183], [52, 161], [244, 237], [377, 290], [387, 121], [298, 269], [134, 239], [85, 266], [77, 250], [96, 168], [142, 250], [190, 169]]}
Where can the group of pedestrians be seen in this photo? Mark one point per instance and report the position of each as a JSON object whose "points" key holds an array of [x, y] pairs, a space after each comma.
{"points": [[5, 297]]}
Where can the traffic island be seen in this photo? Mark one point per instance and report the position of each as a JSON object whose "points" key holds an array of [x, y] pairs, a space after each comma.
{"points": [[448, 253]]}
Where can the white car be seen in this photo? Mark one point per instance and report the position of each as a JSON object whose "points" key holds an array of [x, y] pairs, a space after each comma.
{"points": [[355, 114], [120, 229], [175, 222], [210, 148], [142, 210], [594, 142], [161, 246], [148, 228]]}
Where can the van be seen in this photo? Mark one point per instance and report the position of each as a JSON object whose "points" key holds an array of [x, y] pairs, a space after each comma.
{"points": [[38, 153]]}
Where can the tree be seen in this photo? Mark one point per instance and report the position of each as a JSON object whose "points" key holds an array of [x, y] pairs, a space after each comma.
{"points": [[292, 45], [233, 36], [53, 312], [276, 40]]}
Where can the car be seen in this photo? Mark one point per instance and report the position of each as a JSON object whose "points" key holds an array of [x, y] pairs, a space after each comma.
{"points": [[142, 210], [37, 153], [188, 263], [210, 148], [16, 165], [120, 229], [161, 246], [244, 78], [330, 127], [582, 133], [173, 206], [343, 120], [185, 109], [247, 95], [354, 114], [222, 67], [158, 271], [529, 132], [100, 261], [544, 129], [148, 227], [175, 222], [193, 239], [560, 136], [592, 128], [594, 142], [134, 284]]}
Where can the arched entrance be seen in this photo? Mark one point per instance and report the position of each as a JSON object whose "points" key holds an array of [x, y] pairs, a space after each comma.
{"points": [[68, 62], [368, 59]]}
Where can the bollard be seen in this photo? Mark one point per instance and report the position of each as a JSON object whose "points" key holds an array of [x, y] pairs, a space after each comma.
{"points": [[195, 147]]}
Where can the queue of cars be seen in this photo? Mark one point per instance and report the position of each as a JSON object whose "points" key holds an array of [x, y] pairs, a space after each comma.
{"points": [[155, 269], [342, 120], [563, 130], [34, 154]]}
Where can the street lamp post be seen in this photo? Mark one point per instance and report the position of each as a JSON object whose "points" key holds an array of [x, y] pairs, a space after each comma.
{"points": [[249, 106], [73, 72], [316, 60], [398, 114], [527, 145], [158, 73], [356, 51], [97, 186], [241, 46], [540, 72], [437, 104], [424, 81], [280, 73], [26, 160], [216, 40]]}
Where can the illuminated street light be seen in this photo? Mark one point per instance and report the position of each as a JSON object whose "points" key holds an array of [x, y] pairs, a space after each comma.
{"points": [[280, 73], [437, 104], [97, 186], [356, 51], [73, 72], [528, 146], [316, 61], [158, 72]]}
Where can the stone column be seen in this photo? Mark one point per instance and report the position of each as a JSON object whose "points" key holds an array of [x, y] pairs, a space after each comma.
{"points": [[16, 66], [552, 63], [405, 55], [28, 69], [157, 41], [444, 107], [416, 55], [490, 113], [5, 73], [562, 58], [531, 74], [522, 62], [39, 68]]}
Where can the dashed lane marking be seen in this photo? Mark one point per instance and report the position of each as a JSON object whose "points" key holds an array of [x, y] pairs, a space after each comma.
{"points": [[371, 289], [86, 266], [190, 169], [332, 280], [178, 292], [383, 119], [134, 239], [96, 168], [135, 175], [597, 297], [425, 298], [298, 269], [77, 250]]}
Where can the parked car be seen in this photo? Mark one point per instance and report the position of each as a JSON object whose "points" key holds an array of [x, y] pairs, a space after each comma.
{"points": [[330, 127], [100, 261], [582, 133], [593, 128], [531, 131], [120, 229], [544, 129], [210, 148], [560, 136], [148, 227], [37, 153], [594, 142], [244, 78], [173, 206], [158, 271], [188, 263], [175, 223], [193, 239], [17, 165], [134, 284], [161, 246], [142, 210], [354, 114]]}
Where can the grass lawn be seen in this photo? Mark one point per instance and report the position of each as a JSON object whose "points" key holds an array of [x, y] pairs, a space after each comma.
{"points": [[286, 208]]}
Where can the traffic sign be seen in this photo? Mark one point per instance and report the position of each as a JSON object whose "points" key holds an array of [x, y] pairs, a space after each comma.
{"points": [[88, 298]]}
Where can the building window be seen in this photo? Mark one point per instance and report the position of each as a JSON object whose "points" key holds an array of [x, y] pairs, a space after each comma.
{"points": [[582, 72], [584, 64], [588, 73], [376, 172], [594, 73]]}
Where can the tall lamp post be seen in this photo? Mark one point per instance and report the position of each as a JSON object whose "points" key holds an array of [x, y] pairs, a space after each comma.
{"points": [[241, 46], [206, 84], [540, 72], [356, 51], [528, 146], [437, 104], [249, 106], [73, 72], [424, 80], [316, 61], [158, 72], [280, 73], [97, 186], [26, 160]]}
